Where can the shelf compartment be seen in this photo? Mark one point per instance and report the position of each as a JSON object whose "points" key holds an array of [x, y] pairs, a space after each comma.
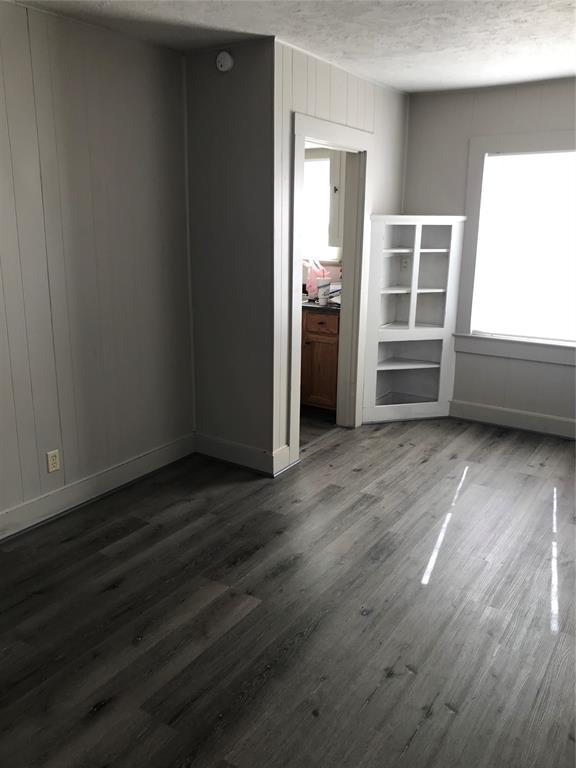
{"points": [[396, 273], [396, 289], [399, 238], [394, 310], [398, 364], [398, 387], [401, 398], [394, 326], [436, 238], [409, 355], [430, 310], [433, 272]]}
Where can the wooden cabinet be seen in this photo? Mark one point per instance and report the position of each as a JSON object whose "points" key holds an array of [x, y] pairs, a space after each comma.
{"points": [[319, 358]]}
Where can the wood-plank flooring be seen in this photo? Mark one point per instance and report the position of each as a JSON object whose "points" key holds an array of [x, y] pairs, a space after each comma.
{"points": [[207, 616], [315, 423]]}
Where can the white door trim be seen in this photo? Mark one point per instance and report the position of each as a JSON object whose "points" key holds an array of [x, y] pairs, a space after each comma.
{"points": [[354, 293]]}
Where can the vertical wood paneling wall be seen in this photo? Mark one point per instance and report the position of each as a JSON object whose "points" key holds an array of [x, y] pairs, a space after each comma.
{"points": [[95, 352], [322, 90], [29, 401], [94, 300], [310, 86]]}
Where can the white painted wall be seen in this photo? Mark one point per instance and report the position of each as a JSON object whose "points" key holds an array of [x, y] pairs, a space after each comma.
{"points": [[94, 305], [501, 389], [313, 87]]}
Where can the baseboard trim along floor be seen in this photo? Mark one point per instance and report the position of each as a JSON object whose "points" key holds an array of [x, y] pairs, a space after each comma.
{"points": [[511, 417], [64, 499]]}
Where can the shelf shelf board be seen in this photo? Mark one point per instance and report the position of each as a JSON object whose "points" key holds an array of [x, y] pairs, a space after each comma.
{"points": [[397, 250], [396, 289], [429, 325], [431, 290], [394, 326], [434, 250], [400, 364], [401, 398]]}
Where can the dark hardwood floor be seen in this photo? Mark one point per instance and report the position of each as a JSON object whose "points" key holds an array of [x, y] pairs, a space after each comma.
{"points": [[207, 616], [315, 423]]}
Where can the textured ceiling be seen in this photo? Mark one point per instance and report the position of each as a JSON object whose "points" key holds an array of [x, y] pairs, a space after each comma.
{"points": [[411, 45]]}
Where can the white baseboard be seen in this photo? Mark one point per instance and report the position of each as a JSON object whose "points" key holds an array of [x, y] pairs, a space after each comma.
{"points": [[236, 453], [271, 463], [64, 499], [381, 413], [69, 496], [281, 460], [267, 462], [510, 417]]}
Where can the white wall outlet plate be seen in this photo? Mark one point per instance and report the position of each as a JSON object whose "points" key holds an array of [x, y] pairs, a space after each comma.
{"points": [[53, 461]]}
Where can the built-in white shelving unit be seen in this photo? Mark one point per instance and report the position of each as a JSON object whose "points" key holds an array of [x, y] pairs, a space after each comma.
{"points": [[414, 268]]}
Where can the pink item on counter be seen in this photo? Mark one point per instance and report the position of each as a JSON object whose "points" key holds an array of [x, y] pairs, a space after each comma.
{"points": [[313, 274]]}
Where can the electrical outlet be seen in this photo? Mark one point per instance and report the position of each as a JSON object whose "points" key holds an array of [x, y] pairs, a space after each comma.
{"points": [[53, 461], [404, 263]]}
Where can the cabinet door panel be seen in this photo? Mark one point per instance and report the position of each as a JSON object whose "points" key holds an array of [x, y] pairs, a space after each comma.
{"points": [[319, 371]]}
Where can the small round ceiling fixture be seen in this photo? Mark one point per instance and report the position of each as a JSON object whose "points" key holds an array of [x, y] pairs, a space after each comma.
{"points": [[224, 61]]}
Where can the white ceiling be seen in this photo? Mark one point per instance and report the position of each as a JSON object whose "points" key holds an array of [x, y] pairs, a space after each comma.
{"points": [[411, 45]]}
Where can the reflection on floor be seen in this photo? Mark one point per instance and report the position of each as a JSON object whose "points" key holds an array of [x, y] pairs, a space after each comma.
{"points": [[315, 422], [402, 598]]}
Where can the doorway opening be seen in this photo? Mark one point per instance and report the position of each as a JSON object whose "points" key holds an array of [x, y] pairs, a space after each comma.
{"points": [[322, 244], [330, 179]]}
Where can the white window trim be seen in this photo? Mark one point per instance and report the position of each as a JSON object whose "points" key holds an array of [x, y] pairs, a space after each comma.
{"points": [[536, 350], [480, 146]]}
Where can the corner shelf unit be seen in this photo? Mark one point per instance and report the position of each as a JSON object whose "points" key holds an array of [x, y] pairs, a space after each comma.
{"points": [[414, 269]]}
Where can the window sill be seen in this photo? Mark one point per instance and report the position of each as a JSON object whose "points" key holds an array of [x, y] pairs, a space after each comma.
{"points": [[536, 350]]}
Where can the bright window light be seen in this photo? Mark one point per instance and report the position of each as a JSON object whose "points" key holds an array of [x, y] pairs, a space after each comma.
{"points": [[317, 211], [525, 281]]}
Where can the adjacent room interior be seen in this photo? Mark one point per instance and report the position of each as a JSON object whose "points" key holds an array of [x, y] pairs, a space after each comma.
{"points": [[324, 193], [287, 384]]}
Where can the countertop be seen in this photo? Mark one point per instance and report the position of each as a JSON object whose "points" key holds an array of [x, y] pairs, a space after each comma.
{"points": [[330, 307]]}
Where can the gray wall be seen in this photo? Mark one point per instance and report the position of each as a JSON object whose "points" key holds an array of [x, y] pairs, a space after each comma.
{"points": [[509, 390], [94, 303], [231, 164]]}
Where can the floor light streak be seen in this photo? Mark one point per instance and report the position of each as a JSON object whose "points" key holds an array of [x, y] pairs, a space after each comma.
{"points": [[460, 484], [434, 555], [554, 611], [440, 539], [554, 623]]}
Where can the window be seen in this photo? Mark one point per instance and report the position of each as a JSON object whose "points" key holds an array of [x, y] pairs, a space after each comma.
{"points": [[525, 280]]}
